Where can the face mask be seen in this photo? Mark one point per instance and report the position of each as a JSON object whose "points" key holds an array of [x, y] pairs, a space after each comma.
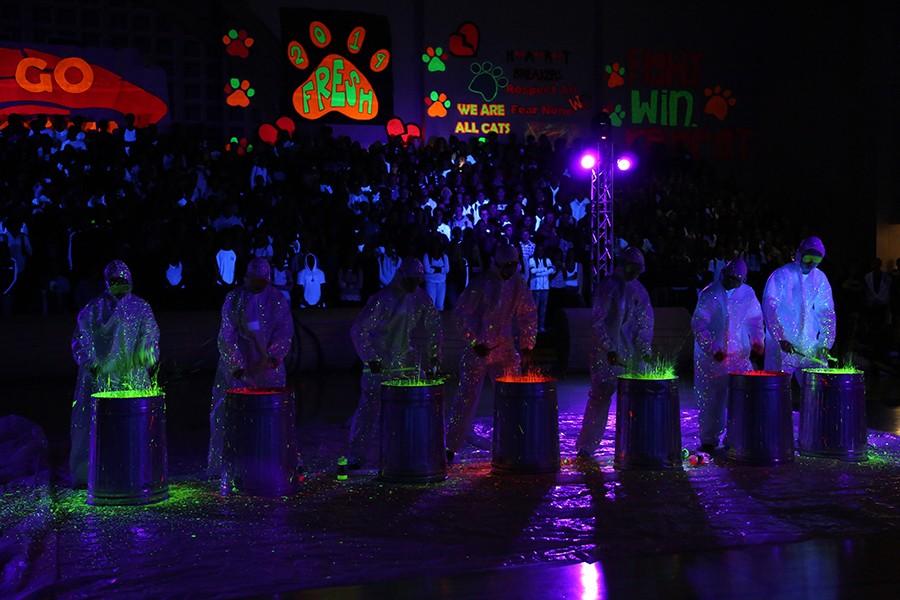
{"points": [[808, 262], [119, 288]]}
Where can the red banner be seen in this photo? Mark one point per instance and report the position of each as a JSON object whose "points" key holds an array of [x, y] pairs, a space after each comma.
{"points": [[36, 82]]}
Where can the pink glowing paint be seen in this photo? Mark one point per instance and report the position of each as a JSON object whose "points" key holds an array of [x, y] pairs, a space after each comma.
{"points": [[245, 391], [760, 373]]}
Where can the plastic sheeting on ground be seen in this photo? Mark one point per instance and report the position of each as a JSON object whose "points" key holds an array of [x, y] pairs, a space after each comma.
{"points": [[334, 533]]}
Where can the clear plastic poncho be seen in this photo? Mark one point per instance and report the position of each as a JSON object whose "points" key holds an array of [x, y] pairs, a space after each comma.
{"points": [[800, 309], [116, 342], [622, 322], [727, 321], [255, 327], [403, 332], [490, 312]]}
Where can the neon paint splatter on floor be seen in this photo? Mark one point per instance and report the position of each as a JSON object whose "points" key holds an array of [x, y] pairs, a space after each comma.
{"points": [[343, 532]]}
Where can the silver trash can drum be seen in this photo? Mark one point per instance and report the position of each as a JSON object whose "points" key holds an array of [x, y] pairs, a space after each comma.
{"points": [[833, 415], [128, 461], [760, 428], [525, 437], [413, 447], [259, 453], [648, 423]]}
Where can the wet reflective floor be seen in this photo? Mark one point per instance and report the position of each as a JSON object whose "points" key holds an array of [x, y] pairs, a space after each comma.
{"points": [[813, 528], [811, 570]]}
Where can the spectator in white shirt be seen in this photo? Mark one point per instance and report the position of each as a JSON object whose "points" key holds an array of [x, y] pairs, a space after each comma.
{"points": [[526, 249], [460, 220], [541, 269], [226, 258], [437, 264], [579, 207], [311, 280], [388, 263]]}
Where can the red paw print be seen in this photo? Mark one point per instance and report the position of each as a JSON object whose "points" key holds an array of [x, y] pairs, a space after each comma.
{"points": [[237, 43], [718, 102], [615, 74]]}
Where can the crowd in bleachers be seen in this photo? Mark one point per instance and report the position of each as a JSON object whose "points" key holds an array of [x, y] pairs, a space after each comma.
{"points": [[335, 218]]}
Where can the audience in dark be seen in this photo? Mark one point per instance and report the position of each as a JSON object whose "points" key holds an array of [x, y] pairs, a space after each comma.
{"points": [[334, 219]]}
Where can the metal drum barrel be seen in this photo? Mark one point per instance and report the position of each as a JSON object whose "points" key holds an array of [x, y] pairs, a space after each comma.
{"points": [[648, 424], [259, 454], [833, 415], [128, 455], [760, 428], [526, 425], [413, 449]]}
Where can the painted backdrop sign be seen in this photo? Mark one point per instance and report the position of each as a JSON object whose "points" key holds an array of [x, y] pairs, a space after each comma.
{"points": [[338, 65], [484, 78], [63, 81], [662, 97]]}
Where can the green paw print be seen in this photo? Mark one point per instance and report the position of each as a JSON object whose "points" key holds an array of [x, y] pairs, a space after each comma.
{"points": [[617, 117], [432, 58]]}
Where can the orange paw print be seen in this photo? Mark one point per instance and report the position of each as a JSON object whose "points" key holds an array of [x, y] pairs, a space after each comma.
{"points": [[718, 102], [237, 43], [238, 93], [437, 104]]}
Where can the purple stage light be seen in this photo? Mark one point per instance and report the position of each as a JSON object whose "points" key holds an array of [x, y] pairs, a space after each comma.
{"points": [[588, 161], [624, 163]]}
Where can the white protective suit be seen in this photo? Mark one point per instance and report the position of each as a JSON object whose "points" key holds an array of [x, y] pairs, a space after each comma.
{"points": [[727, 321], [115, 344], [401, 330], [487, 312], [622, 322], [254, 337], [800, 309]]}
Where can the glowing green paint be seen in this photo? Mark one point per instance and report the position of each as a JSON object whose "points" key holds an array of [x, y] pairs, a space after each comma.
{"points": [[73, 503], [657, 369], [835, 371], [414, 382], [130, 394], [129, 386], [877, 459], [648, 376]]}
